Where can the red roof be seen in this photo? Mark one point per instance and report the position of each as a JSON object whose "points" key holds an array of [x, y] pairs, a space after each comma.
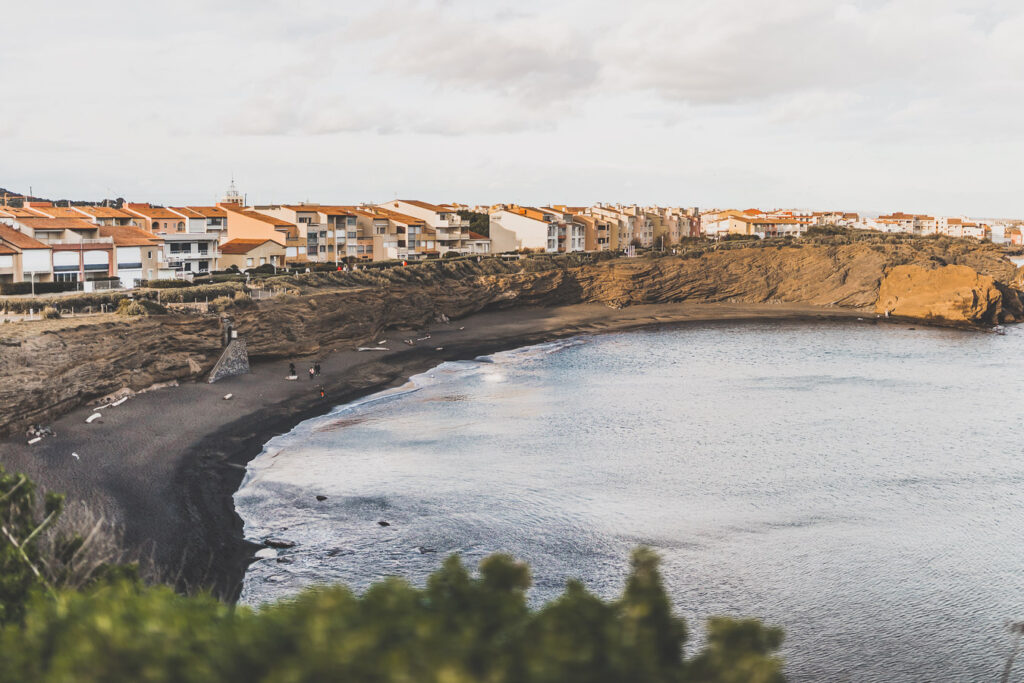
{"points": [[243, 246], [19, 239], [58, 223], [128, 236]]}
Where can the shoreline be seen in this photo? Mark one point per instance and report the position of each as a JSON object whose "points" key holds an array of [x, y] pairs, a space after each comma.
{"points": [[166, 464]]}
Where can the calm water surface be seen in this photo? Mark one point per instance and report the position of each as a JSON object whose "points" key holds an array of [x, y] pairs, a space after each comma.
{"points": [[861, 485]]}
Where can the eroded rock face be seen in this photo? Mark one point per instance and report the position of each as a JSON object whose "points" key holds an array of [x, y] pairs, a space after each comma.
{"points": [[956, 294]]}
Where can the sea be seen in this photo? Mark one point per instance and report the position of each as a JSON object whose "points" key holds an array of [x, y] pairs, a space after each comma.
{"points": [[860, 484]]}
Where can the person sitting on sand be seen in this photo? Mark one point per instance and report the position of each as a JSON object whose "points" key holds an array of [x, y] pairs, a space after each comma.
{"points": [[323, 394]]}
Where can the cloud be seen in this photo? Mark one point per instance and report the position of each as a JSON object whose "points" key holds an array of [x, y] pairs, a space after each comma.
{"points": [[513, 55]]}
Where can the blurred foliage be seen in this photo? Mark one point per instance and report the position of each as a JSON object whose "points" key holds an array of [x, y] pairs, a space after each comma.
{"points": [[458, 628], [40, 555]]}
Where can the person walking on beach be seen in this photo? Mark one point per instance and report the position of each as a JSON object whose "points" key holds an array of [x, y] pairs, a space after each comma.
{"points": [[323, 394], [311, 372], [291, 369], [316, 367]]}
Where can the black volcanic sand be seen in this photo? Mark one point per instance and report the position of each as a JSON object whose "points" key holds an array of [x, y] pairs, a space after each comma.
{"points": [[165, 464]]}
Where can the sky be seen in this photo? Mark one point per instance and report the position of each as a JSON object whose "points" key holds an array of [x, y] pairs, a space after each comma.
{"points": [[872, 106]]}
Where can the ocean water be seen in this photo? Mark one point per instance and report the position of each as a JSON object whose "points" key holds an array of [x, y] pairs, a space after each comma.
{"points": [[860, 485]]}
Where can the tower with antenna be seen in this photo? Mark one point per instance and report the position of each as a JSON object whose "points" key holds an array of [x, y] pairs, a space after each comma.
{"points": [[232, 196]]}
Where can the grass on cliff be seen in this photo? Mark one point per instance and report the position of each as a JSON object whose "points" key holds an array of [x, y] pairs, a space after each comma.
{"points": [[107, 626]]}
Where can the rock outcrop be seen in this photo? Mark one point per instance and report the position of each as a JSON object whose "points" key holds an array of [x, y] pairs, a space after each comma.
{"points": [[951, 294]]}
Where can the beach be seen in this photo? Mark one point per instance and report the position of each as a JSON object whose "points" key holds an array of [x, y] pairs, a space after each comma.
{"points": [[165, 464]]}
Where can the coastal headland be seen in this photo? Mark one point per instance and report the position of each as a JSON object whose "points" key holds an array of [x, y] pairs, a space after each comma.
{"points": [[165, 464]]}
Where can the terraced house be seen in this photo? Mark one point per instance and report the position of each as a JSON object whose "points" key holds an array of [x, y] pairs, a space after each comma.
{"points": [[78, 252], [325, 228], [451, 233], [23, 258], [248, 224]]}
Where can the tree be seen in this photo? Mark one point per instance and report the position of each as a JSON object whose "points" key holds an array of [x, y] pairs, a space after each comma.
{"points": [[479, 223]]}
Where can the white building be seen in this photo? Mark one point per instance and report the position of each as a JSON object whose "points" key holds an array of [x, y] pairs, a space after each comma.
{"points": [[191, 254], [511, 231]]}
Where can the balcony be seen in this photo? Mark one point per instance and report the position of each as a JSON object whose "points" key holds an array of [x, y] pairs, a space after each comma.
{"points": [[181, 257], [96, 242]]}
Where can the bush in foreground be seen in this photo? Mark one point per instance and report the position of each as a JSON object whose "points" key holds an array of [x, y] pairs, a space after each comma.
{"points": [[458, 628]]}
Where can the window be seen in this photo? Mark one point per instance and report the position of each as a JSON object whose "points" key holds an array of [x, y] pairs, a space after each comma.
{"points": [[352, 235], [181, 226], [248, 263], [380, 230], [304, 219], [263, 260], [149, 254]]}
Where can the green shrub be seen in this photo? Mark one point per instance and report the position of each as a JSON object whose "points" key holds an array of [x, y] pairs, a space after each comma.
{"points": [[16, 288], [457, 628], [221, 304], [166, 284], [137, 307], [44, 549]]}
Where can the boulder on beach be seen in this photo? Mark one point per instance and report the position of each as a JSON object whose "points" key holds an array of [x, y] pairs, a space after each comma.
{"points": [[321, 498], [266, 554], [279, 543]]}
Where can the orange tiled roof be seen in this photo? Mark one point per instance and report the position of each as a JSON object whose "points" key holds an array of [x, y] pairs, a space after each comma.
{"points": [[58, 223], [207, 211], [128, 236], [425, 205], [16, 212], [243, 246], [151, 212], [19, 239], [399, 217], [104, 212], [60, 212]]}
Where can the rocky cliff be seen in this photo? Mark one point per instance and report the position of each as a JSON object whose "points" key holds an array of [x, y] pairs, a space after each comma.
{"points": [[45, 374]]}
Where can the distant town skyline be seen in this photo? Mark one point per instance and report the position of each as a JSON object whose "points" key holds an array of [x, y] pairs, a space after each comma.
{"points": [[871, 106]]}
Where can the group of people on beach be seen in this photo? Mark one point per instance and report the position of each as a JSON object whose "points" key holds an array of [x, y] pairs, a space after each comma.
{"points": [[314, 371]]}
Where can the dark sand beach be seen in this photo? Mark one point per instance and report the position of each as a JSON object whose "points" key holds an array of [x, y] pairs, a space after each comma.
{"points": [[166, 463]]}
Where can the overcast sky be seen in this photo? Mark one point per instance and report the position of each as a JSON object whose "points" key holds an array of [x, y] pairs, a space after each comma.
{"points": [[873, 105]]}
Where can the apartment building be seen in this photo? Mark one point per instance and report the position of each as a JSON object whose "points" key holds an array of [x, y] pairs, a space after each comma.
{"points": [[449, 230], [23, 258], [105, 215], [204, 219], [156, 219], [244, 223], [521, 228], [245, 254], [325, 228], [137, 254], [78, 252], [187, 254], [405, 237]]}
